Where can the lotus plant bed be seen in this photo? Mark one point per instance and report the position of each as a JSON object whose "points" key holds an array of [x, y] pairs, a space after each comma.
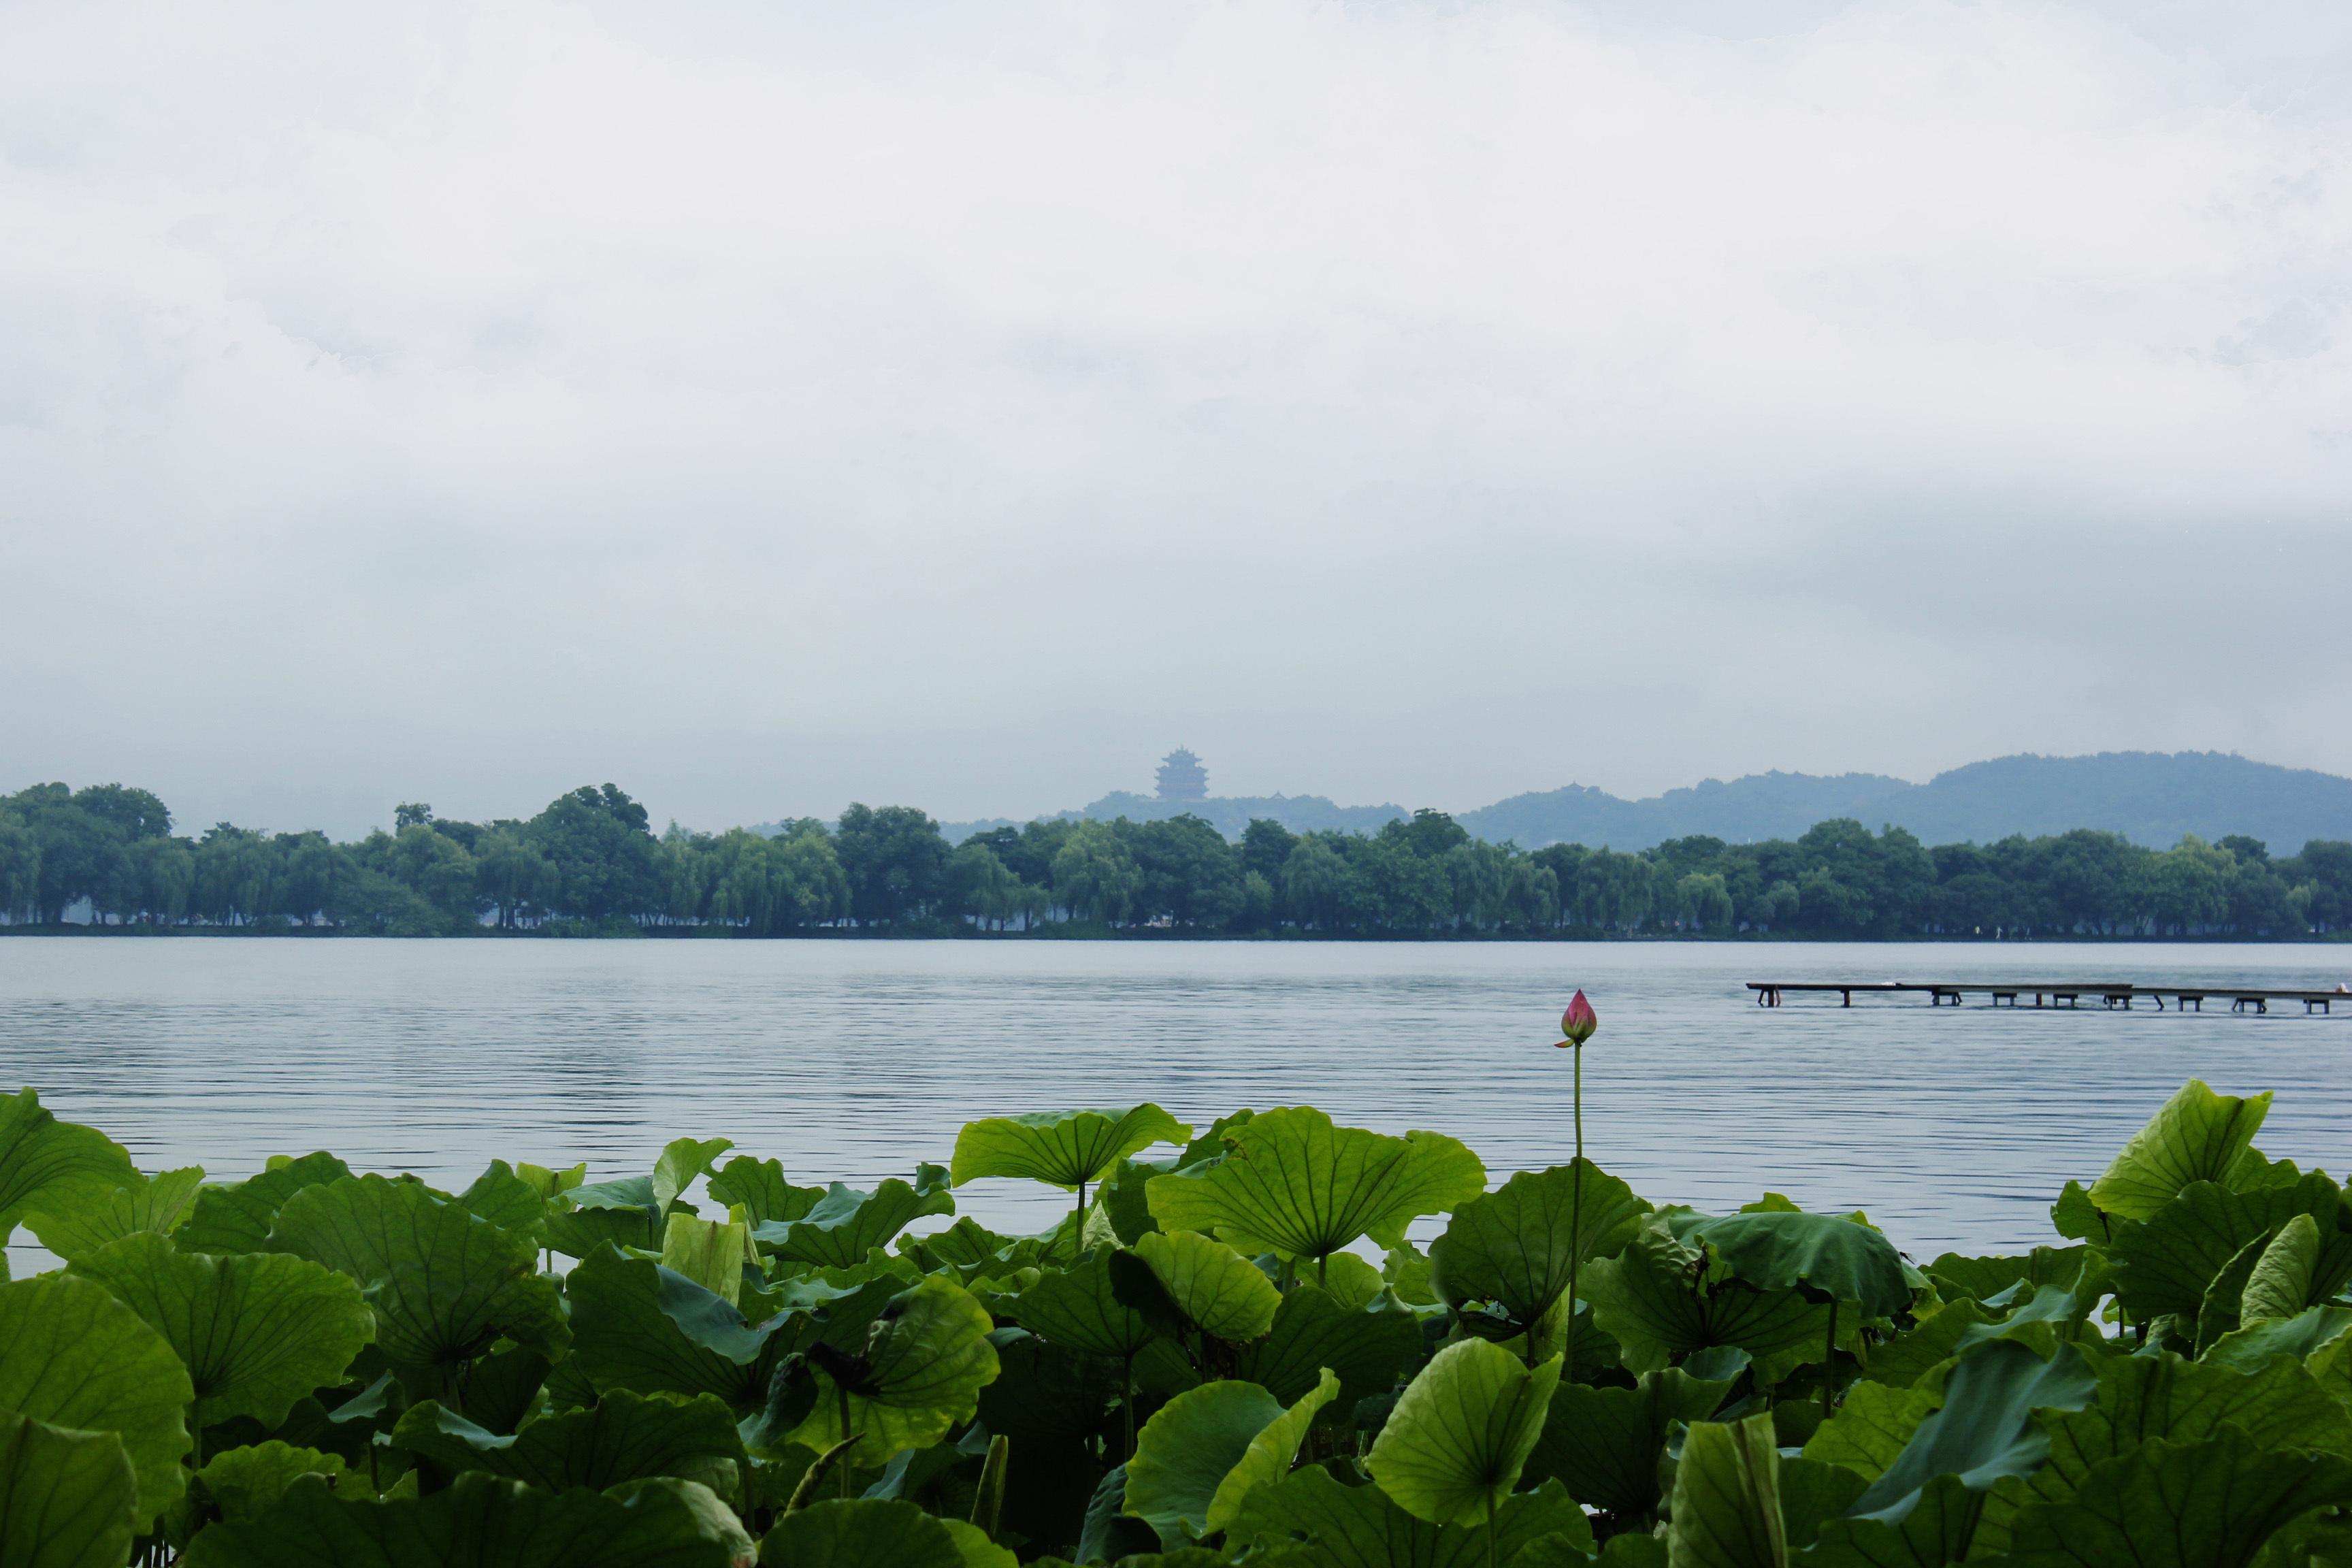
{"points": [[1227, 1352]]}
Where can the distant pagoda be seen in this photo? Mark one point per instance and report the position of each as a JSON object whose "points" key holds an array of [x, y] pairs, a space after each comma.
{"points": [[1182, 777]]}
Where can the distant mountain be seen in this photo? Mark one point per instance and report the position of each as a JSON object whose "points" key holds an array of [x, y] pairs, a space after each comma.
{"points": [[2151, 797]]}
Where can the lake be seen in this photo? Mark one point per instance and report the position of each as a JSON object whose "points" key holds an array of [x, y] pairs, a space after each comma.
{"points": [[854, 1059]]}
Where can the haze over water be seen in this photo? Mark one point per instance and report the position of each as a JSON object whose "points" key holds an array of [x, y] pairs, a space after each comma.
{"points": [[855, 1060]]}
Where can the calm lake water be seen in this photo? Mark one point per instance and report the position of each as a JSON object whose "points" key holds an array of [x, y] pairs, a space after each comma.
{"points": [[854, 1059]]}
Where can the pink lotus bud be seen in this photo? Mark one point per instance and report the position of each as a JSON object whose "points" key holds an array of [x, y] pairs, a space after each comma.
{"points": [[1578, 1022]]}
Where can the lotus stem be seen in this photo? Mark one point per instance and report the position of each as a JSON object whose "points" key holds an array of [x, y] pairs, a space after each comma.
{"points": [[846, 1438], [1829, 1364], [1575, 1225], [1127, 1408], [1491, 1560], [1078, 1223]]}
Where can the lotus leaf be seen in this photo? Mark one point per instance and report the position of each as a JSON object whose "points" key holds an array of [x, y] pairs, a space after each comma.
{"points": [[1930, 1342], [445, 1284], [1985, 1278], [638, 1326], [845, 1224], [1311, 1521], [479, 1520], [72, 1356], [1067, 1149], [1872, 1426], [1206, 1450], [1655, 1300], [40, 1157], [2280, 1285], [1081, 1310], [1366, 1349], [878, 1534], [1452, 1449], [621, 1212], [919, 1372], [502, 1197], [682, 1163], [2299, 1338], [1941, 1528], [244, 1482], [1727, 1501], [550, 1183], [1985, 1428], [256, 1332], [69, 1499], [1209, 1284], [2197, 1136], [2212, 1504], [1294, 1184], [1603, 1444], [2169, 1263], [759, 1188], [2145, 1398], [237, 1217], [74, 1219], [711, 1252], [1828, 1256], [1518, 1245], [623, 1437]]}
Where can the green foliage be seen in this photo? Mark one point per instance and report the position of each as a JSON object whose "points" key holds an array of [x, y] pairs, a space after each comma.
{"points": [[313, 1367]]}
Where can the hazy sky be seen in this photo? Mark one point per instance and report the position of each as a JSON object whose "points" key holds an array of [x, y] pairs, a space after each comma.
{"points": [[766, 406]]}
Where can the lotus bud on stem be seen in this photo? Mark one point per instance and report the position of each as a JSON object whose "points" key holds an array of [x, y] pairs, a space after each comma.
{"points": [[1577, 1025]]}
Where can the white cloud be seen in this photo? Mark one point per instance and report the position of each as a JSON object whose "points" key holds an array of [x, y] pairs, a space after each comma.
{"points": [[960, 404]]}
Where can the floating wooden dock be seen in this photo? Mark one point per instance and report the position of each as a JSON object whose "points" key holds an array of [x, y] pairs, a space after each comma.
{"points": [[2117, 996]]}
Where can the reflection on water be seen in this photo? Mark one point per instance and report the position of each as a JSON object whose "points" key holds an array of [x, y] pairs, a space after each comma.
{"points": [[1954, 1129]]}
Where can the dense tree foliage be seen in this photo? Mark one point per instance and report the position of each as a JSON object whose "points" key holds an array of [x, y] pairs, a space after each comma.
{"points": [[592, 862]]}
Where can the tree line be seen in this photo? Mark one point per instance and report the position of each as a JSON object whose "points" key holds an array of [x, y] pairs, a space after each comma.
{"points": [[590, 863]]}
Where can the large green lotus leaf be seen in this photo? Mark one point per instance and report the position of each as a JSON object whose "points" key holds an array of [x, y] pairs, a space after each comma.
{"points": [[711, 1252], [2299, 1338], [1603, 1444], [244, 1482], [1293, 1183], [579, 1230], [1872, 1424], [1366, 1349], [1939, 1528], [1460, 1431], [637, 1326], [1213, 1288], [40, 1155], [445, 1284], [503, 1197], [860, 1534], [1985, 1429], [1727, 1501], [845, 1224], [1079, 1308], [1311, 1521], [237, 1217], [2212, 1504], [1654, 1301], [1270, 1455], [68, 1499], [2280, 1283], [1123, 1202], [550, 1182], [759, 1187], [1185, 1450], [73, 1356], [2169, 1264], [1985, 1278], [2197, 1136], [2145, 1398], [477, 1521], [624, 1437], [74, 1219], [256, 1332], [1516, 1245], [1061, 1148], [681, 1162], [919, 1372], [1812, 1494], [1827, 1256]]}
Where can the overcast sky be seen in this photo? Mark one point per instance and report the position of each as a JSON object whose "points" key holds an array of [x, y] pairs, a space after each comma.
{"points": [[768, 406]]}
